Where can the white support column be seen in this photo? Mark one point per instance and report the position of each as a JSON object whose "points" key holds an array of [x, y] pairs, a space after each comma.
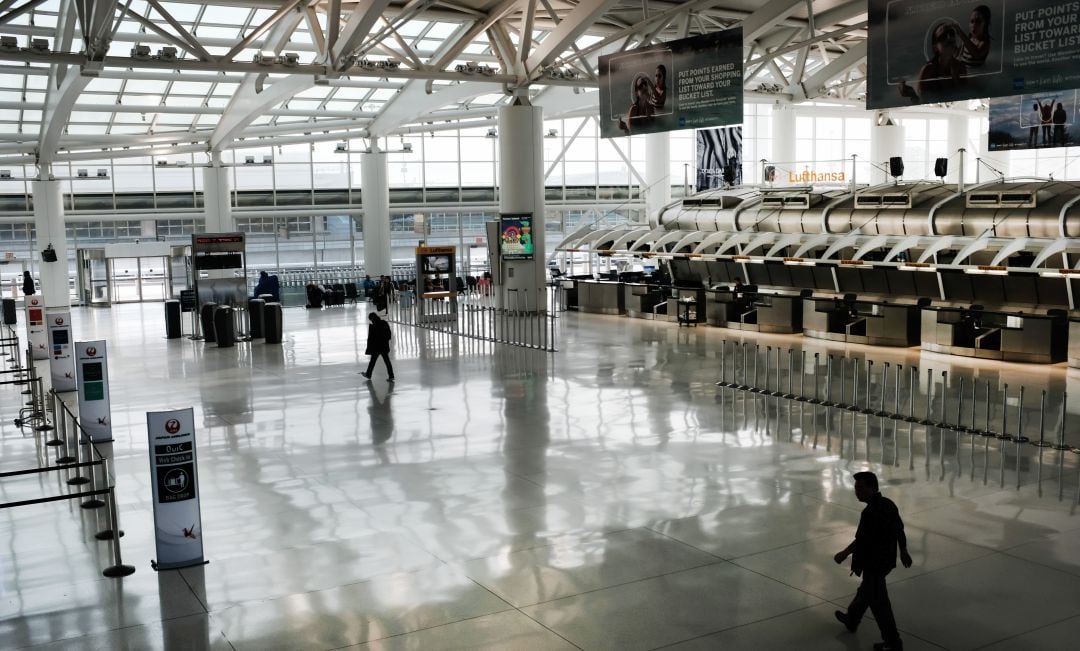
{"points": [[783, 135], [958, 131], [375, 198], [521, 190], [49, 222], [217, 197], [886, 141], [657, 173]]}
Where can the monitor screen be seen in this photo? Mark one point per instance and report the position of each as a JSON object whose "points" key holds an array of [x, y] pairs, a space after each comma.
{"points": [[436, 264], [60, 337], [516, 237]]}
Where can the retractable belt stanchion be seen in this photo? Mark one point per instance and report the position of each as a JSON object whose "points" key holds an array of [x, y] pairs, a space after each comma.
{"points": [[1019, 438]]}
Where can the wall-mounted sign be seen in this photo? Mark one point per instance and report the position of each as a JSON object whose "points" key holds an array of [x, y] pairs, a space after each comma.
{"points": [[928, 51], [35, 327], [683, 84], [175, 478], [61, 351], [95, 414]]}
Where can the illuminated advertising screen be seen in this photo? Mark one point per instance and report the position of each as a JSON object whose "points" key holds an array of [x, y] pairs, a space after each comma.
{"points": [[515, 237]]}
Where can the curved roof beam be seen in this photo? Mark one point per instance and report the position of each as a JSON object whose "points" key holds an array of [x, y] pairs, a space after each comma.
{"points": [[761, 240], [848, 239], [1015, 246], [1057, 246], [813, 243], [979, 244], [784, 242], [735, 240], [669, 236], [646, 240], [569, 29], [909, 242], [630, 238], [939, 244], [65, 83], [690, 238], [252, 99], [712, 240], [875, 242]]}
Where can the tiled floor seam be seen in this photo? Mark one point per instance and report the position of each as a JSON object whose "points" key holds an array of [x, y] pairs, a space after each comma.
{"points": [[1038, 628]]}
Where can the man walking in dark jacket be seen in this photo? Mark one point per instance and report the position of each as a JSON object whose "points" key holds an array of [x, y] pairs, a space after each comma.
{"points": [[378, 344], [873, 553]]}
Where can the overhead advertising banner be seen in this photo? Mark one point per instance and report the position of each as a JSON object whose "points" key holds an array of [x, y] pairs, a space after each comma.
{"points": [[175, 478], [719, 157], [35, 327], [684, 84], [95, 414], [927, 51], [61, 353], [1034, 121]]}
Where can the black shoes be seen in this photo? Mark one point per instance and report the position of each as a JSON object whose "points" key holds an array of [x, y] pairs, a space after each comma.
{"points": [[366, 376], [889, 646], [842, 617], [390, 379]]}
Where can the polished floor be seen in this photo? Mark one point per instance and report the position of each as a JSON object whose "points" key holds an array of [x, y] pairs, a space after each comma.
{"points": [[608, 496]]}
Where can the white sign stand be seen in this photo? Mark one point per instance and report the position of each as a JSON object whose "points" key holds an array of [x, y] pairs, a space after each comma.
{"points": [[61, 354], [35, 327], [175, 478], [95, 414]]}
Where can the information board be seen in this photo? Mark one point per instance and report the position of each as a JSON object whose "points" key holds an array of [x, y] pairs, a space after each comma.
{"points": [[175, 479], [95, 414], [61, 351]]}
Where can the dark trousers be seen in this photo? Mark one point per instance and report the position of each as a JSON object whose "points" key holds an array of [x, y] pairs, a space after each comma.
{"points": [[386, 358], [873, 594]]}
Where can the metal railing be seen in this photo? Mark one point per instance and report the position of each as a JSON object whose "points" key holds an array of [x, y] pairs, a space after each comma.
{"points": [[75, 459], [937, 410], [528, 319]]}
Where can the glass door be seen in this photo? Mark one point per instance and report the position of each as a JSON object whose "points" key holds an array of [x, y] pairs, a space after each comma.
{"points": [[124, 280], [92, 277], [153, 279]]}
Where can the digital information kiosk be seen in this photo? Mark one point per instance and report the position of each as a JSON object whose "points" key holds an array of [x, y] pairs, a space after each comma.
{"points": [[95, 414], [436, 283], [35, 327], [61, 355], [175, 478]]}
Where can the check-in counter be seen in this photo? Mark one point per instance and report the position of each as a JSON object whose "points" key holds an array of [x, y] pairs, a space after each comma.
{"points": [[644, 301], [877, 323], [1036, 338], [601, 297], [755, 311]]}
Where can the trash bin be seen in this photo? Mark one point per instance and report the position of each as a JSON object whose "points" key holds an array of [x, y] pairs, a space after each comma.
{"points": [[9, 311], [272, 323], [255, 317], [206, 319], [173, 325], [223, 326]]}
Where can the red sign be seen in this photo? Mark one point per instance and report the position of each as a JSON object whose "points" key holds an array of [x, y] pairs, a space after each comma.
{"points": [[91, 351], [59, 320], [172, 426]]}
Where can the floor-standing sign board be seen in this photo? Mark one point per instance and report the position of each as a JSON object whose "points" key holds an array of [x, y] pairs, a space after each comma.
{"points": [[94, 411], [61, 353], [35, 327], [174, 474]]}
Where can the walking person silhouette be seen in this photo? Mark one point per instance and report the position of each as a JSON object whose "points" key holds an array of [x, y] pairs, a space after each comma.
{"points": [[880, 533]]}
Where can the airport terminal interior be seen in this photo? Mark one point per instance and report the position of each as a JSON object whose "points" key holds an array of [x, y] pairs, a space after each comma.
{"points": [[647, 323]]}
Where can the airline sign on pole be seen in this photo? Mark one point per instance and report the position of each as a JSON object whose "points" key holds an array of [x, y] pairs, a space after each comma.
{"points": [[174, 475], [61, 355], [94, 411], [35, 327]]}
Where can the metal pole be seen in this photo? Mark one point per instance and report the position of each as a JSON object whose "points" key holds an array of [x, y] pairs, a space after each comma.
{"points": [[1020, 438], [1004, 435]]}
